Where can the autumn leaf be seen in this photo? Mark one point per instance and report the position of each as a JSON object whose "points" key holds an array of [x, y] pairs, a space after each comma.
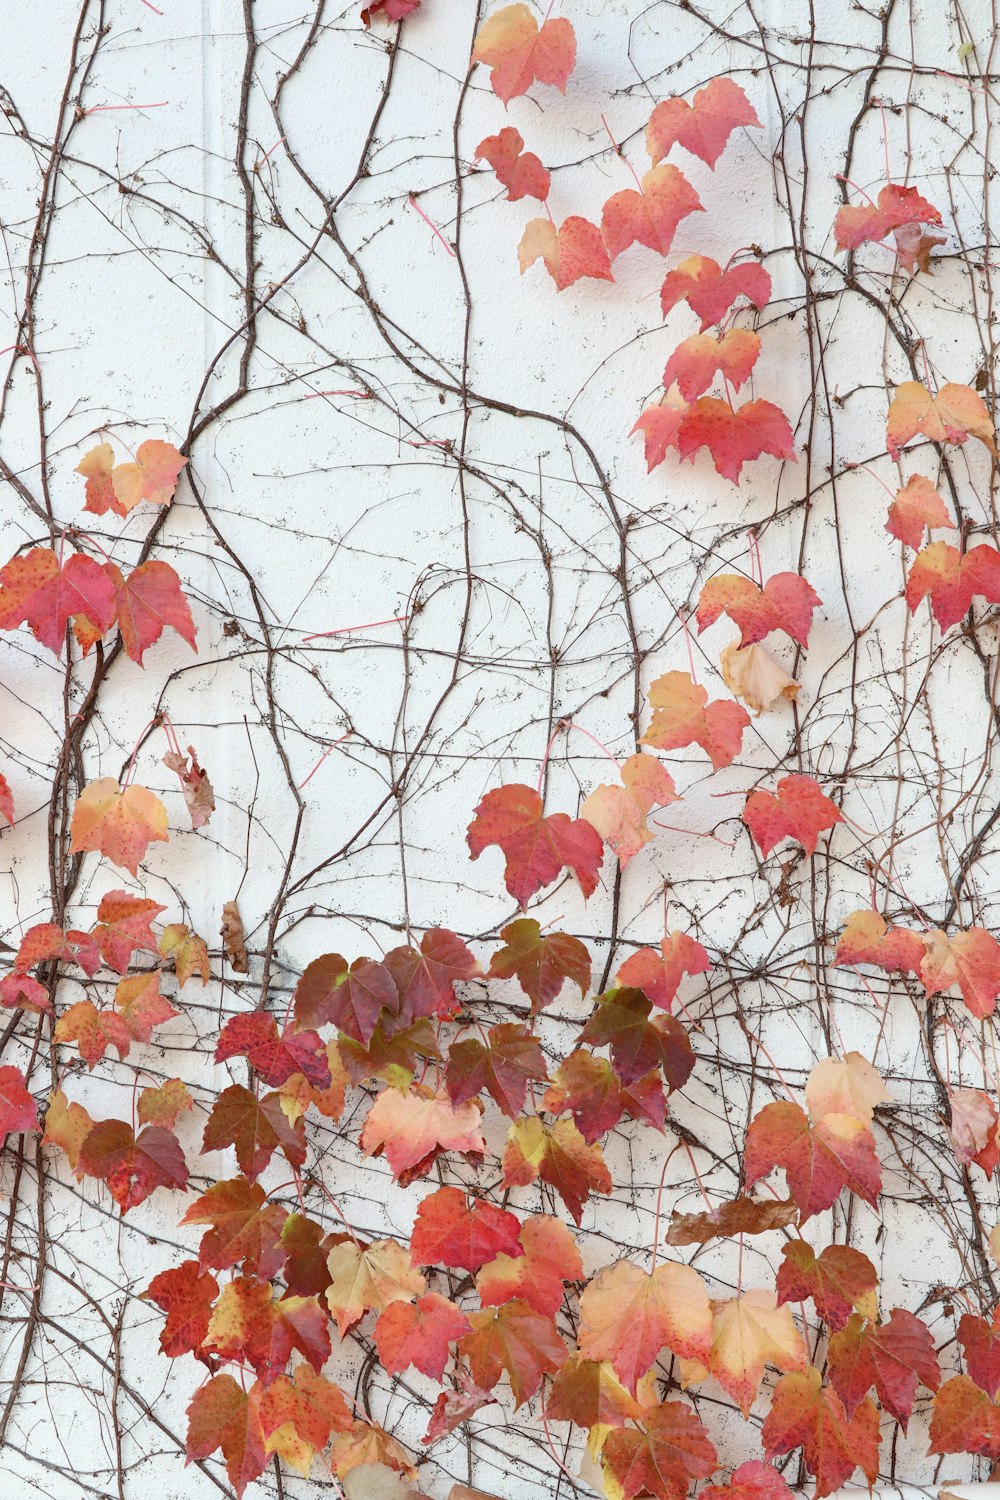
{"points": [[973, 1129], [6, 801], [371, 1277], [620, 1020], [740, 1216], [199, 796], [514, 1340], [711, 291], [968, 961], [917, 507], [132, 1166], [123, 925], [46, 941], [628, 1316], [649, 217], [819, 1160], [965, 1420], [839, 1280], [702, 127], [570, 252], [663, 1456], [419, 1334], [850, 1085], [249, 1325], [807, 1414], [450, 1230], [896, 206], [42, 592], [120, 487], [734, 435], [786, 602], [980, 1343], [752, 675], [185, 1293], [146, 602], [868, 939], [536, 848], [893, 1357], [696, 360], [298, 1413], [659, 975], [590, 1394], [18, 1111], [255, 1128], [619, 812], [502, 1066], [412, 1129], [425, 977], [120, 824], [351, 998], [141, 1006], [519, 171], [682, 715], [222, 1415], [586, 1086], [518, 51], [558, 1155], [243, 1227], [541, 962], [798, 810], [752, 1480], [188, 951], [298, 1094], [67, 1126], [535, 1270], [254, 1035], [955, 414], [96, 466], [454, 1407], [306, 1246], [93, 1030], [953, 579], [659, 425], [749, 1332], [913, 247]]}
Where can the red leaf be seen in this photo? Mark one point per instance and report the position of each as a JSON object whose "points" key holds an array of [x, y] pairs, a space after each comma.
{"points": [[695, 361], [141, 1006], [659, 975], [558, 1155], [93, 1030], [682, 715], [621, 1020], [891, 1356], [146, 602], [917, 506], [414, 1128], [806, 1414], [628, 1315], [570, 252], [299, 1414], [702, 127], [419, 1333], [425, 979], [18, 1111], [452, 1231], [965, 1420], [710, 291], [132, 1166], [390, 10], [752, 1481], [519, 51], [536, 848], [256, 1128], [516, 1340], [662, 1458], [980, 1343], [6, 801], [118, 823], [250, 1326], [351, 998], [799, 811], [222, 1415], [185, 1293], [649, 217], [47, 941], [953, 579], [839, 1281], [541, 963], [520, 171], [123, 926], [968, 961], [587, 1392], [255, 1037], [503, 1067], [734, 436], [44, 594], [586, 1086], [786, 602], [896, 206], [550, 1258], [244, 1227], [955, 414], [619, 812], [866, 939], [818, 1160], [453, 1408]]}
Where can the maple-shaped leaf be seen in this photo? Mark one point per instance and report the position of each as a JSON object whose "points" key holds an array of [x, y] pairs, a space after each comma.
{"points": [[868, 939], [93, 1030], [733, 435], [702, 127], [164, 1104], [185, 1293], [547, 1258], [391, 1054], [536, 848], [519, 171], [306, 1246], [980, 1343], [46, 941], [274, 1056], [896, 206], [659, 975], [419, 1334], [352, 998], [850, 1085], [369, 1277], [570, 252], [955, 414], [146, 602], [366, 1459], [786, 602], [256, 1128], [819, 1160], [250, 1326], [120, 487], [969, 961], [454, 1407], [808, 1415], [450, 1230], [589, 1393], [425, 977], [752, 1480], [682, 715], [661, 1458], [619, 812], [518, 51], [797, 810], [21, 992], [412, 1129], [953, 579], [67, 1126], [502, 1066], [893, 1357], [514, 1340], [222, 1415], [389, 10], [558, 1155], [649, 217], [141, 1006], [298, 1413], [965, 1420], [541, 962], [244, 1227], [711, 291], [45, 594], [741, 1216], [120, 824], [696, 360], [749, 1332], [198, 792], [621, 1020], [123, 925], [752, 675], [917, 507], [96, 466], [973, 1129], [132, 1166], [298, 1094], [840, 1280], [628, 1315], [586, 1086], [187, 950], [18, 1111], [659, 425]]}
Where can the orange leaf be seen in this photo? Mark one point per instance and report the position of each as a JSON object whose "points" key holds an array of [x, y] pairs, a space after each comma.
{"points": [[694, 362], [916, 506], [123, 925], [710, 291], [120, 824], [786, 602], [628, 1315], [516, 1340], [969, 961], [414, 1128], [373, 1277], [559, 1155], [733, 435], [152, 477], [419, 1334], [546, 1258], [649, 217], [819, 1160], [449, 1230], [952, 579], [659, 975], [619, 812], [573, 250], [93, 1030], [164, 1105], [965, 1420], [845, 1086], [682, 715], [518, 51], [749, 1332], [663, 1456], [536, 848], [896, 206], [953, 415], [806, 1414], [188, 951], [520, 171], [702, 127], [867, 939], [222, 1415], [799, 810]]}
